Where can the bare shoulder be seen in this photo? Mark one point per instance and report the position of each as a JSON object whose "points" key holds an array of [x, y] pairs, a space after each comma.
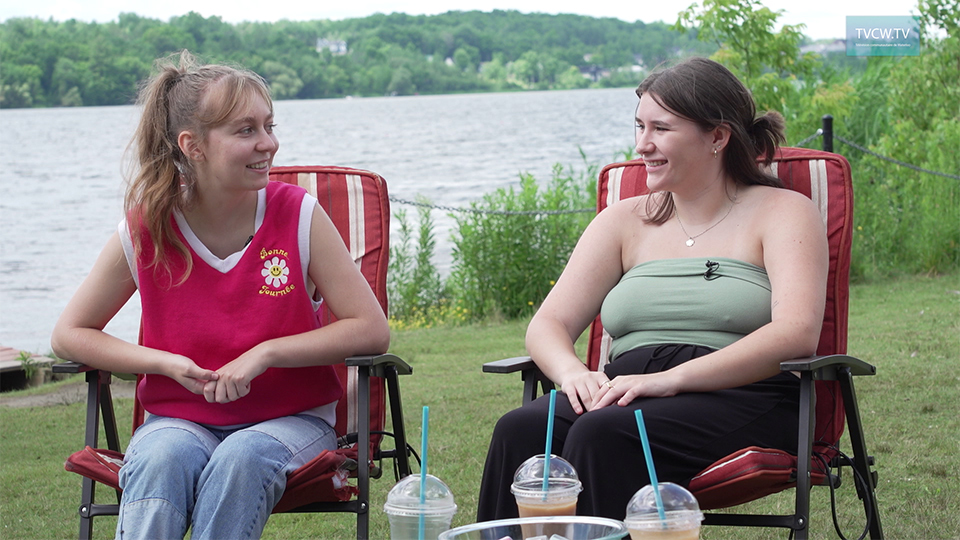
{"points": [[629, 208], [781, 203], [625, 216]]}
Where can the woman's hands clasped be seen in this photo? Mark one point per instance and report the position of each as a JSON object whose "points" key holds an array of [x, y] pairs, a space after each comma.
{"points": [[590, 390], [229, 383], [234, 378], [190, 376]]}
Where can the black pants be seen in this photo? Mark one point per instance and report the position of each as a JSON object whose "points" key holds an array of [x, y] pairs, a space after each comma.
{"points": [[687, 433]]}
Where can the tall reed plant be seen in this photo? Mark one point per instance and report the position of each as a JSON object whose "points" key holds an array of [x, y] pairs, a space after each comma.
{"points": [[907, 221], [416, 292]]}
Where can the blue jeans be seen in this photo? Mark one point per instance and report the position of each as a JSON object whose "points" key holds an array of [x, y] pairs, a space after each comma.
{"points": [[222, 482]]}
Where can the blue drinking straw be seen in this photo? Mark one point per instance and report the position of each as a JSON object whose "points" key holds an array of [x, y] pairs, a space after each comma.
{"points": [[653, 472], [546, 452], [423, 470]]}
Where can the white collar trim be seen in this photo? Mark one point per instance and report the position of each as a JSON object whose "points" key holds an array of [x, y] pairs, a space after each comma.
{"points": [[221, 265]]}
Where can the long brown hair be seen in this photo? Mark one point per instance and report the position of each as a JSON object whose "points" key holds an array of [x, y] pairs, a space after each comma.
{"points": [[709, 95], [164, 180]]}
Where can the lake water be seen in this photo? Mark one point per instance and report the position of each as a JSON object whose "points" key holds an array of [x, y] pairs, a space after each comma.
{"points": [[61, 186]]}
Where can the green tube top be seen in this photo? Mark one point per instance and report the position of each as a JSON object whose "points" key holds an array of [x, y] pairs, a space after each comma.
{"points": [[671, 301]]}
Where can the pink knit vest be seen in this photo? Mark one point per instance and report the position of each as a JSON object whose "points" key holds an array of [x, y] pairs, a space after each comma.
{"points": [[214, 317]]}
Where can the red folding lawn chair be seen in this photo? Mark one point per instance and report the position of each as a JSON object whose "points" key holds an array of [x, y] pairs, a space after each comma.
{"points": [[357, 203]]}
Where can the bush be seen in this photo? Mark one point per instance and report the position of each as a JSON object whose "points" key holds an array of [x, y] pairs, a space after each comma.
{"points": [[908, 221], [511, 247]]}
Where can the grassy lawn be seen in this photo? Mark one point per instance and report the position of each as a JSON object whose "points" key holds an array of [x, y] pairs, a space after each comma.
{"points": [[909, 328]]}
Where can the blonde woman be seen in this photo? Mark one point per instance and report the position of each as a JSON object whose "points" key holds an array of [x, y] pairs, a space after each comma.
{"points": [[238, 378]]}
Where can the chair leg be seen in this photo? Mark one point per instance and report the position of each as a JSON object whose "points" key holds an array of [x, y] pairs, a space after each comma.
{"points": [[108, 416], [363, 453], [92, 428], [99, 408], [861, 460], [804, 454], [95, 390], [396, 414], [86, 520]]}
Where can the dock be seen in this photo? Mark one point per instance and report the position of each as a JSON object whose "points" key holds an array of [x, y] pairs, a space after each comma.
{"points": [[10, 359]]}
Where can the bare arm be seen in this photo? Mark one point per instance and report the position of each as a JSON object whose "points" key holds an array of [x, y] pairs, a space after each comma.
{"points": [[360, 328], [594, 268], [79, 336], [796, 259]]}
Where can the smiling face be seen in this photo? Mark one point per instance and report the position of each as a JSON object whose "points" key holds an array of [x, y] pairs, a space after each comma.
{"points": [[237, 153], [675, 150]]}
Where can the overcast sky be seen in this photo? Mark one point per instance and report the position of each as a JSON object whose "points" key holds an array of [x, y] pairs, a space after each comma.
{"points": [[823, 18]]}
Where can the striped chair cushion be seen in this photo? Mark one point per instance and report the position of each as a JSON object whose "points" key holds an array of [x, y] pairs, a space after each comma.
{"points": [[357, 203]]}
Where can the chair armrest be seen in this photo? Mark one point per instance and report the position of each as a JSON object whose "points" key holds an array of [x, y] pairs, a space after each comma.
{"points": [[510, 365], [378, 362], [71, 367], [825, 367], [529, 372]]}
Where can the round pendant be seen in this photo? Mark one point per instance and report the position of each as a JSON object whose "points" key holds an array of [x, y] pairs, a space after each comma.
{"points": [[689, 242]]}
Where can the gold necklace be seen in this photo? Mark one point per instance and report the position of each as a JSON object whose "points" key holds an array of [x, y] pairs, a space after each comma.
{"points": [[691, 239]]}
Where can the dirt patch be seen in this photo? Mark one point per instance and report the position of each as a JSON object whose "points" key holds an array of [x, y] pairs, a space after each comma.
{"points": [[62, 394]]}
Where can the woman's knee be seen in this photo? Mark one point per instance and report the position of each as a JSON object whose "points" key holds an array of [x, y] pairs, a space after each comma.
{"points": [[164, 450], [589, 423], [521, 420], [251, 449]]}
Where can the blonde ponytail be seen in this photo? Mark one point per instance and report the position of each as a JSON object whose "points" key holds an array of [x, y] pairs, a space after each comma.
{"points": [[164, 179]]}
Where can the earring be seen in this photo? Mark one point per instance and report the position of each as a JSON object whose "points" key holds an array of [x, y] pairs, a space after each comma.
{"points": [[715, 150]]}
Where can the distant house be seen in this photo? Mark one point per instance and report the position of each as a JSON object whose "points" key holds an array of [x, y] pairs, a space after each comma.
{"points": [[336, 46], [595, 72]]}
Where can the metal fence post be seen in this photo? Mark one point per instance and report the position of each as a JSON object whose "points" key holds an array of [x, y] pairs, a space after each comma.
{"points": [[827, 133]]}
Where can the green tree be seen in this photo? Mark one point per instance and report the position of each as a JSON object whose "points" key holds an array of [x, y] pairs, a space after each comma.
{"points": [[72, 98], [466, 58], [494, 70], [572, 78], [911, 219], [336, 81], [374, 80], [166, 39], [92, 63], [113, 80], [21, 86], [284, 82], [67, 80], [769, 63], [401, 82], [525, 70]]}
